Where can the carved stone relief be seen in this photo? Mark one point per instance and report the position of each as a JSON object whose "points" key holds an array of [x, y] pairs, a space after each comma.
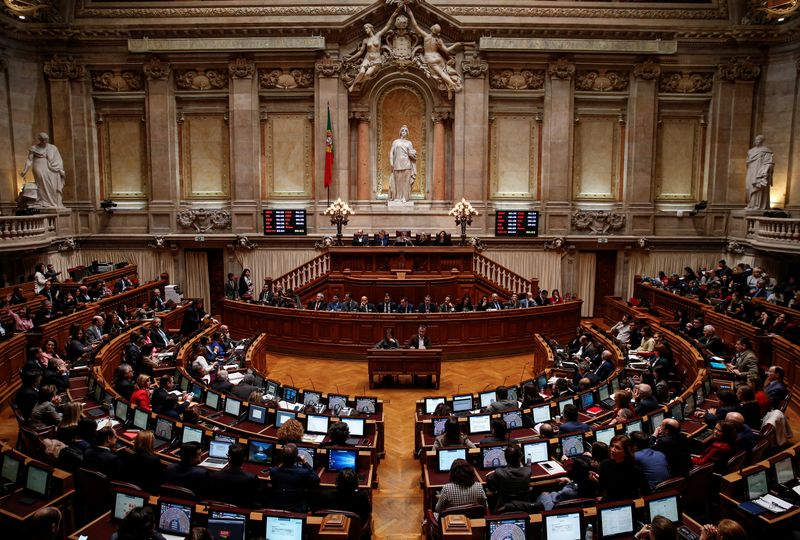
{"points": [[60, 68], [647, 70], [514, 79], [285, 79], [474, 67], [328, 67], [561, 69], [155, 69], [201, 79], [598, 221], [241, 68], [686, 82], [117, 81], [739, 69], [601, 81], [202, 220]]}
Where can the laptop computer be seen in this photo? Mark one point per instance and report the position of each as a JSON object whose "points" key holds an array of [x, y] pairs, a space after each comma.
{"points": [[487, 398], [366, 404], [289, 394], [283, 416], [311, 398], [633, 425], [217, 455], [572, 445], [121, 410], [257, 414], [284, 528], [11, 468], [462, 404], [340, 459], [357, 427], [663, 504], [446, 456], [541, 414], [480, 423], [37, 484], [536, 452], [224, 525], [563, 525], [141, 419], [513, 419], [317, 424], [431, 403], [124, 502], [191, 434], [438, 424], [783, 471], [309, 454], [260, 452], [336, 403], [605, 435], [605, 396], [507, 527], [616, 520], [174, 520], [164, 433], [493, 456]]}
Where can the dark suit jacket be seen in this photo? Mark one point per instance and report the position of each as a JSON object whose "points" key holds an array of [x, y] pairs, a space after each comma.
{"points": [[713, 344], [382, 307], [222, 386], [143, 469], [103, 460], [351, 501], [350, 305], [509, 484], [432, 308], [407, 309], [291, 486], [413, 343], [124, 388], [369, 308], [378, 241], [157, 303], [25, 399], [188, 476], [676, 448], [646, 405], [360, 239], [235, 487], [323, 306], [243, 391], [158, 340]]}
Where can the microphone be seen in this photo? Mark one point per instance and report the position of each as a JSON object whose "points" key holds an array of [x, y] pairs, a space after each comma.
{"points": [[485, 387], [292, 379], [522, 374], [504, 380], [459, 388], [337, 389], [312, 384], [364, 388]]}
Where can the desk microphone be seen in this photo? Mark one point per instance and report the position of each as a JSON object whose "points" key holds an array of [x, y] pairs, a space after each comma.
{"points": [[292, 379], [504, 380], [312, 384], [337, 389], [485, 387], [522, 374], [459, 388]]}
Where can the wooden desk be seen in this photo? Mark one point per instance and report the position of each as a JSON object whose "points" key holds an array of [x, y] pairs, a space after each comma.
{"points": [[382, 362]]}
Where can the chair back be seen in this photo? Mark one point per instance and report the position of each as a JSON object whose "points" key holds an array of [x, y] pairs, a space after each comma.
{"points": [[472, 511], [575, 503], [356, 530], [757, 454], [180, 492], [30, 444], [736, 462], [92, 493], [676, 484], [695, 495]]}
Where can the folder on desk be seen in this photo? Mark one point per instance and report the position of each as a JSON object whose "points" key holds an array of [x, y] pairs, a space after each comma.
{"points": [[752, 508]]}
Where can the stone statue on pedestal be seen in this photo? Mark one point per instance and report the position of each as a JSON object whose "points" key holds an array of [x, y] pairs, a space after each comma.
{"points": [[759, 175], [48, 172], [403, 158]]}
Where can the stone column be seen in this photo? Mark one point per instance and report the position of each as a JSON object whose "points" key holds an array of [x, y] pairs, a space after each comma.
{"points": [[471, 110], [162, 142], [439, 158], [640, 145], [559, 116], [731, 121], [61, 73], [245, 147], [331, 93], [363, 183], [8, 169]]}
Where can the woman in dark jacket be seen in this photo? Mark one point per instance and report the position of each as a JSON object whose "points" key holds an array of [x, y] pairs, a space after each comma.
{"points": [[77, 348], [193, 317], [620, 477]]}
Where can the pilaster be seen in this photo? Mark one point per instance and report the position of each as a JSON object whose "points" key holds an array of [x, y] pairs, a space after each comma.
{"points": [[363, 184], [641, 144], [559, 116], [471, 140], [245, 146]]}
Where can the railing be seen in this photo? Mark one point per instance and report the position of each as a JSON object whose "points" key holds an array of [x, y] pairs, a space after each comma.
{"points": [[774, 230], [18, 229], [499, 275], [305, 274]]}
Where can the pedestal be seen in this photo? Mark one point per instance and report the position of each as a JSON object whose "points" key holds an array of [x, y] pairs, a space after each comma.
{"points": [[399, 205]]}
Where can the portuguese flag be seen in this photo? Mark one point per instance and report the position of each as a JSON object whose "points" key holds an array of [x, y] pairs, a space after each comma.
{"points": [[328, 151]]}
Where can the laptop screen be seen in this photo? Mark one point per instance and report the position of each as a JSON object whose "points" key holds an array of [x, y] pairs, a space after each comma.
{"points": [[233, 407], [339, 460], [536, 452], [289, 394], [447, 456], [218, 449], [656, 419], [512, 393], [503, 529], [317, 424], [563, 403], [616, 521], [174, 518], [756, 485], [336, 402], [493, 457], [602, 392], [284, 528], [366, 405], [260, 452], [487, 398], [272, 388], [572, 445], [191, 434], [604, 435], [431, 403], [438, 425], [563, 526], [480, 424], [311, 398], [462, 403], [283, 416], [124, 503], [784, 471], [10, 469], [164, 429], [197, 390], [356, 426], [676, 411], [308, 453], [257, 414], [140, 418], [587, 400], [513, 419], [688, 406], [664, 506], [37, 480], [633, 425], [699, 396], [212, 400], [227, 528], [182, 382], [541, 414], [121, 410]]}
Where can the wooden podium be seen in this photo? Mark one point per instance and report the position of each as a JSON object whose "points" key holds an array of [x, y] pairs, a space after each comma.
{"points": [[392, 362]]}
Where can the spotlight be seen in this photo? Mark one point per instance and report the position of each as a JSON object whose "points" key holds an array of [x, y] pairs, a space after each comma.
{"points": [[702, 205], [108, 206]]}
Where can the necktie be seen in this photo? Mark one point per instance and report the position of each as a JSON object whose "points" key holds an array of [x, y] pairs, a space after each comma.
{"points": [[316, 308], [386, 307]]}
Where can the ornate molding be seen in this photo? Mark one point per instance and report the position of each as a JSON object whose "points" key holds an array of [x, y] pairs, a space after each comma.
{"points": [[200, 79], [720, 11], [515, 79], [328, 67], [155, 69], [361, 116], [474, 67], [218, 11], [60, 68], [598, 221], [561, 69], [739, 69], [202, 220], [440, 116], [685, 82], [242, 242], [68, 244], [735, 247], [159, 241], [601, 81], [117, 80], [647, 70], [241, 68], [285, 79]]}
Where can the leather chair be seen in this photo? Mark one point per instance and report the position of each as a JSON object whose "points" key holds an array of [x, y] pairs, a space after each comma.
{"points": [[92, 494], [695, 499], [677, 484]]}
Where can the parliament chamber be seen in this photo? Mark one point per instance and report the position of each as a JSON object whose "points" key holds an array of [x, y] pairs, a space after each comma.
{"points": [[399, 269]]}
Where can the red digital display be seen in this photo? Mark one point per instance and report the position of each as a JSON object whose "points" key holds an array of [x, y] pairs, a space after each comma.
{"points": [[516, 223], [284, 222]]}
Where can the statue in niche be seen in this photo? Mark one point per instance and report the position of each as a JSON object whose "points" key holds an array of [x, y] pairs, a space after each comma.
{"points": [[437, 61], [759, 175], [403, 158], [371, 50], [48, 172]]}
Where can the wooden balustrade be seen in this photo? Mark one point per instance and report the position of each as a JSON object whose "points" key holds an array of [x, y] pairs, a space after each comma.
{"points": [[132, 298], [787, 355], [109, 277], [501, 276], [305, 274]]}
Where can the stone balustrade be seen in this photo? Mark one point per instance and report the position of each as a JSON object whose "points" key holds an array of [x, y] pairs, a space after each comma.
{"points": [[779, 232], [26, 231]]}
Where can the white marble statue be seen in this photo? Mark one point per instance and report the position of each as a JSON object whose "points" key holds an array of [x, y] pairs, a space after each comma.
{"points": [[759, 175], [371, 50], [403, 158], [48, 172], [438, 58]]}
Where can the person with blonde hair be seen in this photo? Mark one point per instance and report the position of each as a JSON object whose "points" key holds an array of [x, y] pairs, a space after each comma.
{"points": [[141, 395], [727, 529], [68, 427], [290, 431], [142, 466]]}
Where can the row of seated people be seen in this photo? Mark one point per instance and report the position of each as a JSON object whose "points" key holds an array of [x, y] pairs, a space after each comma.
{"points": [[402, 238]]}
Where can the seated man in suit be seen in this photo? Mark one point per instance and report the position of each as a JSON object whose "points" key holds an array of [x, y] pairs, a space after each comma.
{"points": [[159, 336], [45, 314], [745, 363], [711, 341], [232, 485], [498, 434], [606, 367], [360, 239], [245, 387], [387, 306], [187, 473], [335, 304], [447, 306], [221, 383], [83, 296], [502, 403], [645, 400], [156, 302], [319, 303], [365, 307], [542, 299], [427, 306], [510, 484], [528, 300], [419, 340], [513, 303], [405, 306], [348, 304], [774, 386], [122, 285], [495, 304], [101, 457], [381, 238], [402, 239]]}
